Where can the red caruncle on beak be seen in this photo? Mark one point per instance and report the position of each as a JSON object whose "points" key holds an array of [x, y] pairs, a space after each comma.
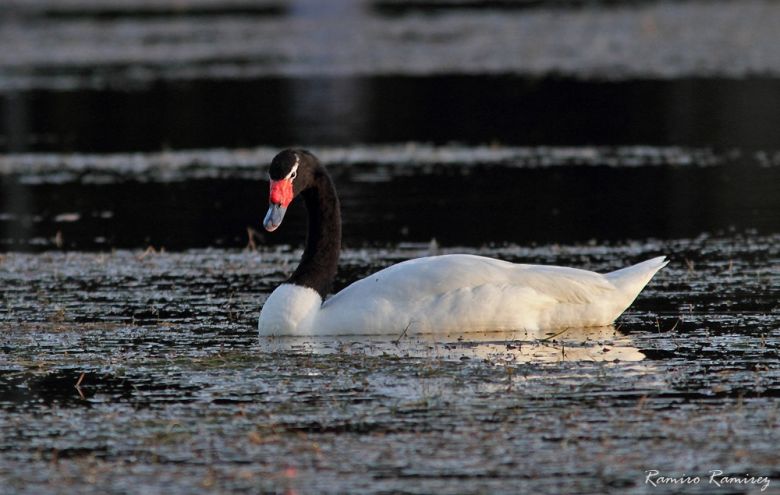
{"points": [[281, 192]]}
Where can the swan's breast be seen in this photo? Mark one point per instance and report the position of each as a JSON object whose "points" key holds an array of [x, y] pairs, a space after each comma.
{"points": [[289, 310]]}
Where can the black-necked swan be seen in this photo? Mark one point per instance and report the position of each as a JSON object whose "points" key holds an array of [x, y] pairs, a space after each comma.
{"points": [[436, 294]]}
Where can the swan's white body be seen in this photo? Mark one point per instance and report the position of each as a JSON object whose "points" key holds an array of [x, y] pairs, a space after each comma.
{"points": [[461, 293]]}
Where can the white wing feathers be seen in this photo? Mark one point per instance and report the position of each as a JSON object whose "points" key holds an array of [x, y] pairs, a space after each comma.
{"points": [[439, 275], [463, 291]]}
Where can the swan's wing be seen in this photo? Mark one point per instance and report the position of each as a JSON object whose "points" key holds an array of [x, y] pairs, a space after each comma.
{"points": [[566, 285], [437, 275], [460, 290]]}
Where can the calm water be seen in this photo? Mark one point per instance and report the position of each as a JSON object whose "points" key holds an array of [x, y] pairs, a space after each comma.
{"points": [[440, 109], [130, 290], [139, 370], [143, 372], [456, 204]]}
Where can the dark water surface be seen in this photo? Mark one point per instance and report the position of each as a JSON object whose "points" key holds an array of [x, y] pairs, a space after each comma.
{"points": [[132, 276], [133, 372], [607, 199], [715, 112]]}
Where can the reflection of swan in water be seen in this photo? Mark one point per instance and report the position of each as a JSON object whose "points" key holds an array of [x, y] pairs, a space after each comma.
{"points": [[573, 344]]}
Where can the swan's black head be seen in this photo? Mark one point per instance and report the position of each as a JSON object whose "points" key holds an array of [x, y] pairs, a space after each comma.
{"points": [[291, 172]]}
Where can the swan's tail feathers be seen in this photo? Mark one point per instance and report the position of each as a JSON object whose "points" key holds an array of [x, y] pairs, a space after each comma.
{"points": [[633, 279]]}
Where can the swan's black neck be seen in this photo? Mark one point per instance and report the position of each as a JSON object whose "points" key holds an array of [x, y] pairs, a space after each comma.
{"points": [[317, 269]]}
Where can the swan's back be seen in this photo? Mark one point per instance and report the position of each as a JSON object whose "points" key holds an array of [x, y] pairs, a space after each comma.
{"points": [[474, 293]]}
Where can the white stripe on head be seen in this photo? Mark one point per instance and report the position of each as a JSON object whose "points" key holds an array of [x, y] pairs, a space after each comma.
{"points": [[294, 168]]}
